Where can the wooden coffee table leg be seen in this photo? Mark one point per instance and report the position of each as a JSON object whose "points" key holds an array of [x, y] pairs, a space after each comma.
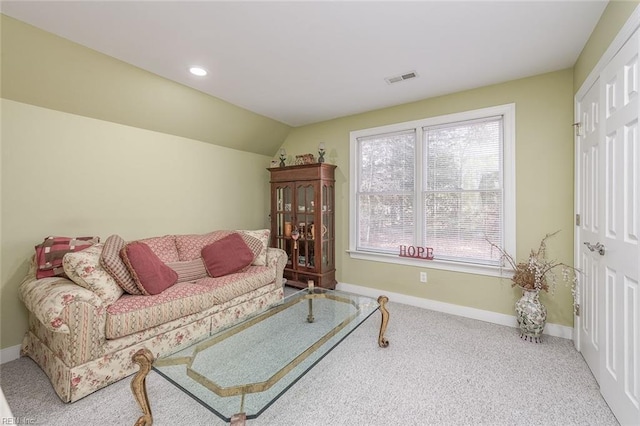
{"points": [[144, 358], [239, 419], [382, 341]]}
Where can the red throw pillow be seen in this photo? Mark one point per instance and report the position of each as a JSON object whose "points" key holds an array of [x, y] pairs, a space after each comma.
{"points": [[49, 254], [227, 255], [150, 274]]}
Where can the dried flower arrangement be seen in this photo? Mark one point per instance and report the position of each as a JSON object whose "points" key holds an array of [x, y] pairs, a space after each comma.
{"points": [[537, 272]]}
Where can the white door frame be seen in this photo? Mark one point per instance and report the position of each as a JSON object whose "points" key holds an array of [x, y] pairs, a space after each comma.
{"points": [[588, 145], [627, 30]]}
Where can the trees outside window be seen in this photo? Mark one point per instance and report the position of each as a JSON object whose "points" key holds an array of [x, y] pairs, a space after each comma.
{"points": [[445, 182]]}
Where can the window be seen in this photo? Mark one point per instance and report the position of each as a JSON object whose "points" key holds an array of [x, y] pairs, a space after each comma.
{"points": [[445, 182]]}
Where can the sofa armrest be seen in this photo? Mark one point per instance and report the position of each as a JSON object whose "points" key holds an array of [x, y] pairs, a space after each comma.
{"points": [[277, 258], [47, 299]]}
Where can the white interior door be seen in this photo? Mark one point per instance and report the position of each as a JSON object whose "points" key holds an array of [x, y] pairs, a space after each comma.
{"points": [[618, 213], [589, 227]]}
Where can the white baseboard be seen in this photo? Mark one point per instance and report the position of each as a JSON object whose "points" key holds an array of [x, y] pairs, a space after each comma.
{"points": [[9, 354], [449, 308]]}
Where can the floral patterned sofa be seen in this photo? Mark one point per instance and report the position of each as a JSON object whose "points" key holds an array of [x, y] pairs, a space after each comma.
{"points": [[84, 327]]}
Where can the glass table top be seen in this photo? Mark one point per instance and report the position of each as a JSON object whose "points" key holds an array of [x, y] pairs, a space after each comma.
{"points": [[245, 368]]}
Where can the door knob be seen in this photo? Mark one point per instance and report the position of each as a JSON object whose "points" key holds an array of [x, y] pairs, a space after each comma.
{"points": [[595, 247]]}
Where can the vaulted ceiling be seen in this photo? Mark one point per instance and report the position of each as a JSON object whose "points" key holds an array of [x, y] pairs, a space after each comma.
{"points": [[302, 62]]}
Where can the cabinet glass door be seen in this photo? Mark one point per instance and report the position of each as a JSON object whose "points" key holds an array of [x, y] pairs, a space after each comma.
{"points": [[284, 219], [328, 227], [305, 205]]}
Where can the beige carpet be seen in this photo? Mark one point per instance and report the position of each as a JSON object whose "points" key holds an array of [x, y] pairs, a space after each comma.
{"points": [[439, 369]]}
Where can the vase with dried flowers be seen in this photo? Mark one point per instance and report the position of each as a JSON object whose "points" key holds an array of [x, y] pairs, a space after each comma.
{"points": [[535, 274]]}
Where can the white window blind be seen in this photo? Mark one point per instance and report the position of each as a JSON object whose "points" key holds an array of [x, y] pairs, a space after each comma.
{"points": [[444, 182], [462, 194], [386, 191]]}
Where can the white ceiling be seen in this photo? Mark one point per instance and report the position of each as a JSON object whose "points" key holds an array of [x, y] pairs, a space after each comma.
{"points": [[304, 62]]}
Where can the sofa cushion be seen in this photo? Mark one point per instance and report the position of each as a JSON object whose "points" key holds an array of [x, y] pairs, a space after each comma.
{"points": [[151, 275], [164, 247], [227, 255], [49, 254], [189, 270], [112, 262], [231, 286], [261, 235], [131, 314], [255, 245], [83, 268], [190, 246]]}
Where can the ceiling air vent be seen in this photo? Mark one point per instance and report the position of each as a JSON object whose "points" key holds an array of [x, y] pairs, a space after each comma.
{"points": [[403, 77]]}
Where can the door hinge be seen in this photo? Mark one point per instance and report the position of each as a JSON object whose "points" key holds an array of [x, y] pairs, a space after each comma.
{"points": [[578, 220], [578, 127], [576, 310]]}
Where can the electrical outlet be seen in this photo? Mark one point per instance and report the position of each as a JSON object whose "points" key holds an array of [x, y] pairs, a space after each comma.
{"points": [[423, 277]]}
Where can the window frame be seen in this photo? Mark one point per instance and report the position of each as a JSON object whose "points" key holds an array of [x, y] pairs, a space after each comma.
{"points": [[508, 112]]}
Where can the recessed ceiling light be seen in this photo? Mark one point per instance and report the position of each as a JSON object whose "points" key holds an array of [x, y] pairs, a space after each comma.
{"points": [[200, 72]]}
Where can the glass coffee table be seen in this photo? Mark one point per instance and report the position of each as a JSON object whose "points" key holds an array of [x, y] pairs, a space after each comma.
{"points": [[239, 372]]}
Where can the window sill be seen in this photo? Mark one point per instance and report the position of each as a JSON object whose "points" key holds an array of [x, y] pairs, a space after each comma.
{"points": [[444, 265]]}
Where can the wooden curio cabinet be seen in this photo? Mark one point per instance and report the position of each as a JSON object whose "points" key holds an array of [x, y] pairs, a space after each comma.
{"points": [[302, 222]]}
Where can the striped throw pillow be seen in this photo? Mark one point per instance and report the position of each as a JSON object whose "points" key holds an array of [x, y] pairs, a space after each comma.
{"points": [[112, 262], [189, 270]]}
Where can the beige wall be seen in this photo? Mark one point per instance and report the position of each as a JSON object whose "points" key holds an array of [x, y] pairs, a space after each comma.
{"points": [[123, 171], [39, 68], [93, 146], [544, 178], [64, 174]]}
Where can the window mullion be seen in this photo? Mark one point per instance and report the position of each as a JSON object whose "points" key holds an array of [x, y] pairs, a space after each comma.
{"points": [[419, 183]]}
